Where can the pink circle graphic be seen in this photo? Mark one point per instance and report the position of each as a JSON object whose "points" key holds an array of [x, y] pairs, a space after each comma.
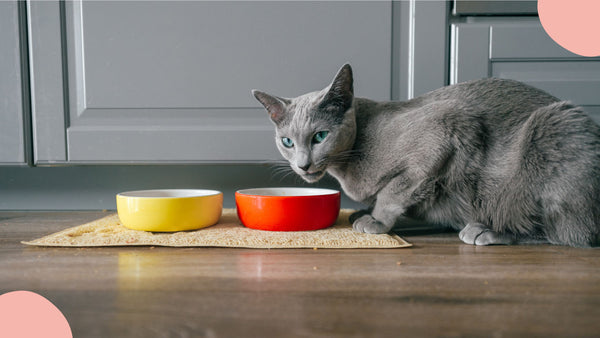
{"points": [[573, 24], [27, 314]]}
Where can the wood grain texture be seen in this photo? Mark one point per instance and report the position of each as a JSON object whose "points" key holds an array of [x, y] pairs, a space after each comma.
{"points": [[440, 287]]}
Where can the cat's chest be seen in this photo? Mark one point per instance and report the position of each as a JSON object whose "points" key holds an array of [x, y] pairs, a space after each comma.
{"points": [[357, 181], [363, 176]]}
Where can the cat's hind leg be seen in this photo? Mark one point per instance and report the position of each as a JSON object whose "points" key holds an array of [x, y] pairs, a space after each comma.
{"points": [[479, 234]]}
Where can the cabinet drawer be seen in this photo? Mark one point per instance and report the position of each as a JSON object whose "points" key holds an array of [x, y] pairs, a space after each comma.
{"points": [[493, 7], [524, 40], [521, 50], [577, 81], [571, 80]]}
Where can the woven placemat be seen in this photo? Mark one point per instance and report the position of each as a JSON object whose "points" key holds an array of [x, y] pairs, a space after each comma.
{"points": [[229, 232]]}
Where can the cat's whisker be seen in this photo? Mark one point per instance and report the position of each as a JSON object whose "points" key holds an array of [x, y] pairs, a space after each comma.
{"points": [[281, 170], [287, 175]]}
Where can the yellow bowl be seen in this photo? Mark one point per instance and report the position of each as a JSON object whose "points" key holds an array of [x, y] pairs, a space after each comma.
{"points": [[170, 209]]}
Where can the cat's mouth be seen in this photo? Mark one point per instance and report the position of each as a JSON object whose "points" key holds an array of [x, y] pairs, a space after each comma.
{"points": [[313, 176]]}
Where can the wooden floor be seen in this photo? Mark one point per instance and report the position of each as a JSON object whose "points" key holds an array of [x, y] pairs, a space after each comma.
{"points": [[439, 287]]}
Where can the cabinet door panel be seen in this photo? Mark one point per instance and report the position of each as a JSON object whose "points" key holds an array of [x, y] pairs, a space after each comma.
{"points": [[170, 81], [47, 82], [12, 140]]}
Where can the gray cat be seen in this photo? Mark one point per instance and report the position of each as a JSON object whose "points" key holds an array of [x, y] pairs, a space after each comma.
{"points": [[499, 160]]}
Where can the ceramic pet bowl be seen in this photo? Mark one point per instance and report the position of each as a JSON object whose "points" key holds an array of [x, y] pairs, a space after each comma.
{"points": [[170, 209], [287, 209]]}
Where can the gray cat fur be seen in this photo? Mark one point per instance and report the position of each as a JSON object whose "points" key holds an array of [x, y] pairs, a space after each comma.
{"points": [[497, 159]]}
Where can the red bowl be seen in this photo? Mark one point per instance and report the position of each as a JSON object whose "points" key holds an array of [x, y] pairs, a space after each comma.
{"points": [[287, 209]]}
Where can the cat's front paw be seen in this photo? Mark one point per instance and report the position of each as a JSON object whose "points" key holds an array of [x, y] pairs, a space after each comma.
{"points": [[479, 234], [356, 215], [370, 225]]}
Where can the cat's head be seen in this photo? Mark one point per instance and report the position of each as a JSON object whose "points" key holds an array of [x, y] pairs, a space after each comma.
{"points": [[315, 129]]}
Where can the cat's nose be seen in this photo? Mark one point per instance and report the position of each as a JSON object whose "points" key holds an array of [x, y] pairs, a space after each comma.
{"points": [[304, 166]]}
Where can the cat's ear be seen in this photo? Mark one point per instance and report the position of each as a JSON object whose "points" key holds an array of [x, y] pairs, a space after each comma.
{"points": [[274, 105], [341, 91]]}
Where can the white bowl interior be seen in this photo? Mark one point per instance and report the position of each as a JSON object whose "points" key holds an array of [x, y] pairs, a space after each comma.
{"points": [[288, 192], [170, 193]]}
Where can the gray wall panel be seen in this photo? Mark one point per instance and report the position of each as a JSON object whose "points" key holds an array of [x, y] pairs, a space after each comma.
{"points": [[95, 187], [420, 47], [431, 41]]}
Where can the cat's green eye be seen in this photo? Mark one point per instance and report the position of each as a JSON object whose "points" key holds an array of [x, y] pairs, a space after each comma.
{"points": [[320, 136], [288, 143]]}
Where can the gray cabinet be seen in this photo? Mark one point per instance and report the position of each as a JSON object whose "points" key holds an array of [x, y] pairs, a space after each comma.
{"points": [[154, 82], [12, 113], [169, 82], [519, 48]]}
